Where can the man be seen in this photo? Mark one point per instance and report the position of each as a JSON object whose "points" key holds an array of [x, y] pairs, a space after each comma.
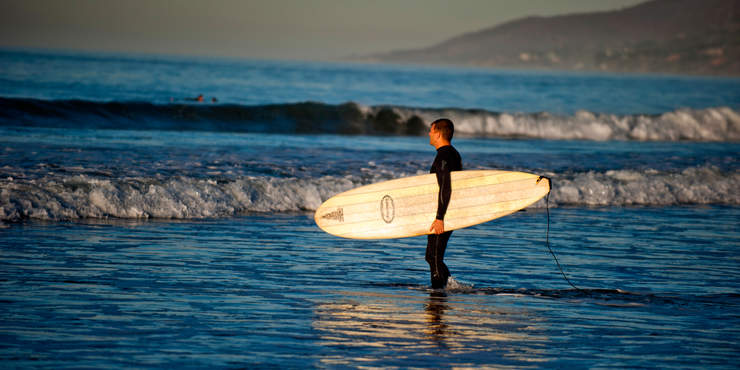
{"points": [[446, 161]]}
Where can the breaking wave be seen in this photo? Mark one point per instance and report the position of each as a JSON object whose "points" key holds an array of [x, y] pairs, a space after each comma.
{"points": [[710, 124], [696, 185], [81, 196]]}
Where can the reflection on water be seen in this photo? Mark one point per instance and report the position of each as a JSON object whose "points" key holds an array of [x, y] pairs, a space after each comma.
{"points": [[378, 328], [435, 310]]}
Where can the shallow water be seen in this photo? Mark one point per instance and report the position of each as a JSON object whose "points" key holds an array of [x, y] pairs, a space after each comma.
{"points": [[659, 288]]}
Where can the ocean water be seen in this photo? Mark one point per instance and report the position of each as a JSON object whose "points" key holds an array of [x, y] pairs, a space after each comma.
{"points": [[139, 228]]}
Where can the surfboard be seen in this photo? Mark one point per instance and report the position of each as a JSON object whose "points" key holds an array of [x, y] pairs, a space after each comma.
{"points": [[407, 206]]}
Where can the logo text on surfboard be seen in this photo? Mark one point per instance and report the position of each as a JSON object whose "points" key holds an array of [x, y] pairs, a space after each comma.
{"points": [[337, 215], [387, 210]]}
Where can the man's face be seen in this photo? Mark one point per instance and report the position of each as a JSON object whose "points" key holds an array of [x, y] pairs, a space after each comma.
{"points": [[433, 135]]}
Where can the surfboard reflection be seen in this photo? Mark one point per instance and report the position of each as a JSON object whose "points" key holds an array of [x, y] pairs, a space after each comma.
{"points": [[377, 328]]}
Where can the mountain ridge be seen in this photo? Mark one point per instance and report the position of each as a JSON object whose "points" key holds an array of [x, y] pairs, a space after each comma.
{"points": [[658, 36]]}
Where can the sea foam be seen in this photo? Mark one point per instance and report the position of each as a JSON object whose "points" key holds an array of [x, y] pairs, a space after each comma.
{"points": [[691, 186], [66, 197], [711, 124], [81, 196]]}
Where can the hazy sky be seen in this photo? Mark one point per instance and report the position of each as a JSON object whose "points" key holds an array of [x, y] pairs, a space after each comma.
{"points": [[265, 29]]}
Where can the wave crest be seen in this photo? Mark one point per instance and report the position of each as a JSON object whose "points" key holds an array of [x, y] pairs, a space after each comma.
{"points": [[696, 185], [82, 196], [710, 124]]}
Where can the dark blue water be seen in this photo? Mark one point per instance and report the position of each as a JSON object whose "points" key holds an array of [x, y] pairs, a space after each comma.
{"points": [[140, 229], [109, 77]]}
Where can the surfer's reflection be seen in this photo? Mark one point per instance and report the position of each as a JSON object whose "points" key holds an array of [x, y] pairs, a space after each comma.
{"points": [[435, 309], [362, 327]]}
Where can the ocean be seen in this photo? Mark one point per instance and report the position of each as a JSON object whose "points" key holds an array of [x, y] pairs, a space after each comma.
{"points": [[140, 227]]}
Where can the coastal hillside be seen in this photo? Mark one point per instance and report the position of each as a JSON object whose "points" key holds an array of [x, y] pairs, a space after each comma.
{"points": [[660, 36]]}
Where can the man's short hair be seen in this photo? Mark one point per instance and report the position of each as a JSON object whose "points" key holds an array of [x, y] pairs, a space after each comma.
{"points": [[445, 127]]}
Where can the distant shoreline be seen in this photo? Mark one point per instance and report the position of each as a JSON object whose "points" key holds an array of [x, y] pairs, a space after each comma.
{"points": [[674, 37], [519, 68], [350, 59]]}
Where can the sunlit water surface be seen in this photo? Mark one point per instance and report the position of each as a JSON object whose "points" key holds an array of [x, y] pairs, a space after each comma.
{"points": [[275, 290]]}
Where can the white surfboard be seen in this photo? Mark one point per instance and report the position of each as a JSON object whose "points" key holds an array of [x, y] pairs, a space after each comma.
{"points": [[407, 207]]}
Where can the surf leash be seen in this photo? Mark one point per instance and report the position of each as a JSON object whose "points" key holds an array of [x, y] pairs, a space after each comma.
{"points": [[547, 237]]}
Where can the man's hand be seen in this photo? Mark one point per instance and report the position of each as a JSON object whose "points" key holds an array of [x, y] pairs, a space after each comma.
{"points": [[438, 226]]}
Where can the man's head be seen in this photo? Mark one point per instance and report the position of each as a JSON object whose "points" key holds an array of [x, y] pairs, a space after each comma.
{"points": [[441, 131]]}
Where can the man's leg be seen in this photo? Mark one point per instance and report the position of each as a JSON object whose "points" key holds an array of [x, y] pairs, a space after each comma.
{"points": [[436, 246]]}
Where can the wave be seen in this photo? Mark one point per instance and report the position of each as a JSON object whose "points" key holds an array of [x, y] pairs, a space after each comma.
{"points": [[82, 196], [69, 197], [710, 124], [695, 185]]}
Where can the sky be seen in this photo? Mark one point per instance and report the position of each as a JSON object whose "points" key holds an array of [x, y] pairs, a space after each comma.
{"points": [[263, 29]]}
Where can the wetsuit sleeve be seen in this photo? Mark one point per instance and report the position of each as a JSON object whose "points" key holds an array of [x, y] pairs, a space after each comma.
{"points": [[444, 180]]}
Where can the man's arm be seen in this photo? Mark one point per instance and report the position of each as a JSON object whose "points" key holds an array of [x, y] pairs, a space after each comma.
{"points": [[444, 180]]}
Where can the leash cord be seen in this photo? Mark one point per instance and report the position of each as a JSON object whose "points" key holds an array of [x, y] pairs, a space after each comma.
{"points": [[547, 238]]}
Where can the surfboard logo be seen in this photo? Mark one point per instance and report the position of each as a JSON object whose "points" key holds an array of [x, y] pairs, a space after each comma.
{"points": [[387, 209], [337, 215]]}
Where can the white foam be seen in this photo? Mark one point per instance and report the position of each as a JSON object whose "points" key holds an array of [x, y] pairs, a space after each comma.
{"points": [[454, 284], [61, 197], [710, 124], [181, 197], [696, 185]]}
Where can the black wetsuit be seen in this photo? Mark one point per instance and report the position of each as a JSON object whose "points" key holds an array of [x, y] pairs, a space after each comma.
{"points": [[447, 160]]}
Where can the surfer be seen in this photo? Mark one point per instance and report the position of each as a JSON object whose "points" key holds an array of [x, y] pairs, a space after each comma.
{"points": [[198, 98], [446, 161]]}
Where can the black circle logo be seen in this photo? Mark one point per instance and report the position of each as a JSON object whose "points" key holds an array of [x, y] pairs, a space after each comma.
{"points": [[387, 210]]}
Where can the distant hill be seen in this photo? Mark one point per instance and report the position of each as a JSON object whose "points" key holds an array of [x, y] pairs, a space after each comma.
{"points": [[663, 36]]}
